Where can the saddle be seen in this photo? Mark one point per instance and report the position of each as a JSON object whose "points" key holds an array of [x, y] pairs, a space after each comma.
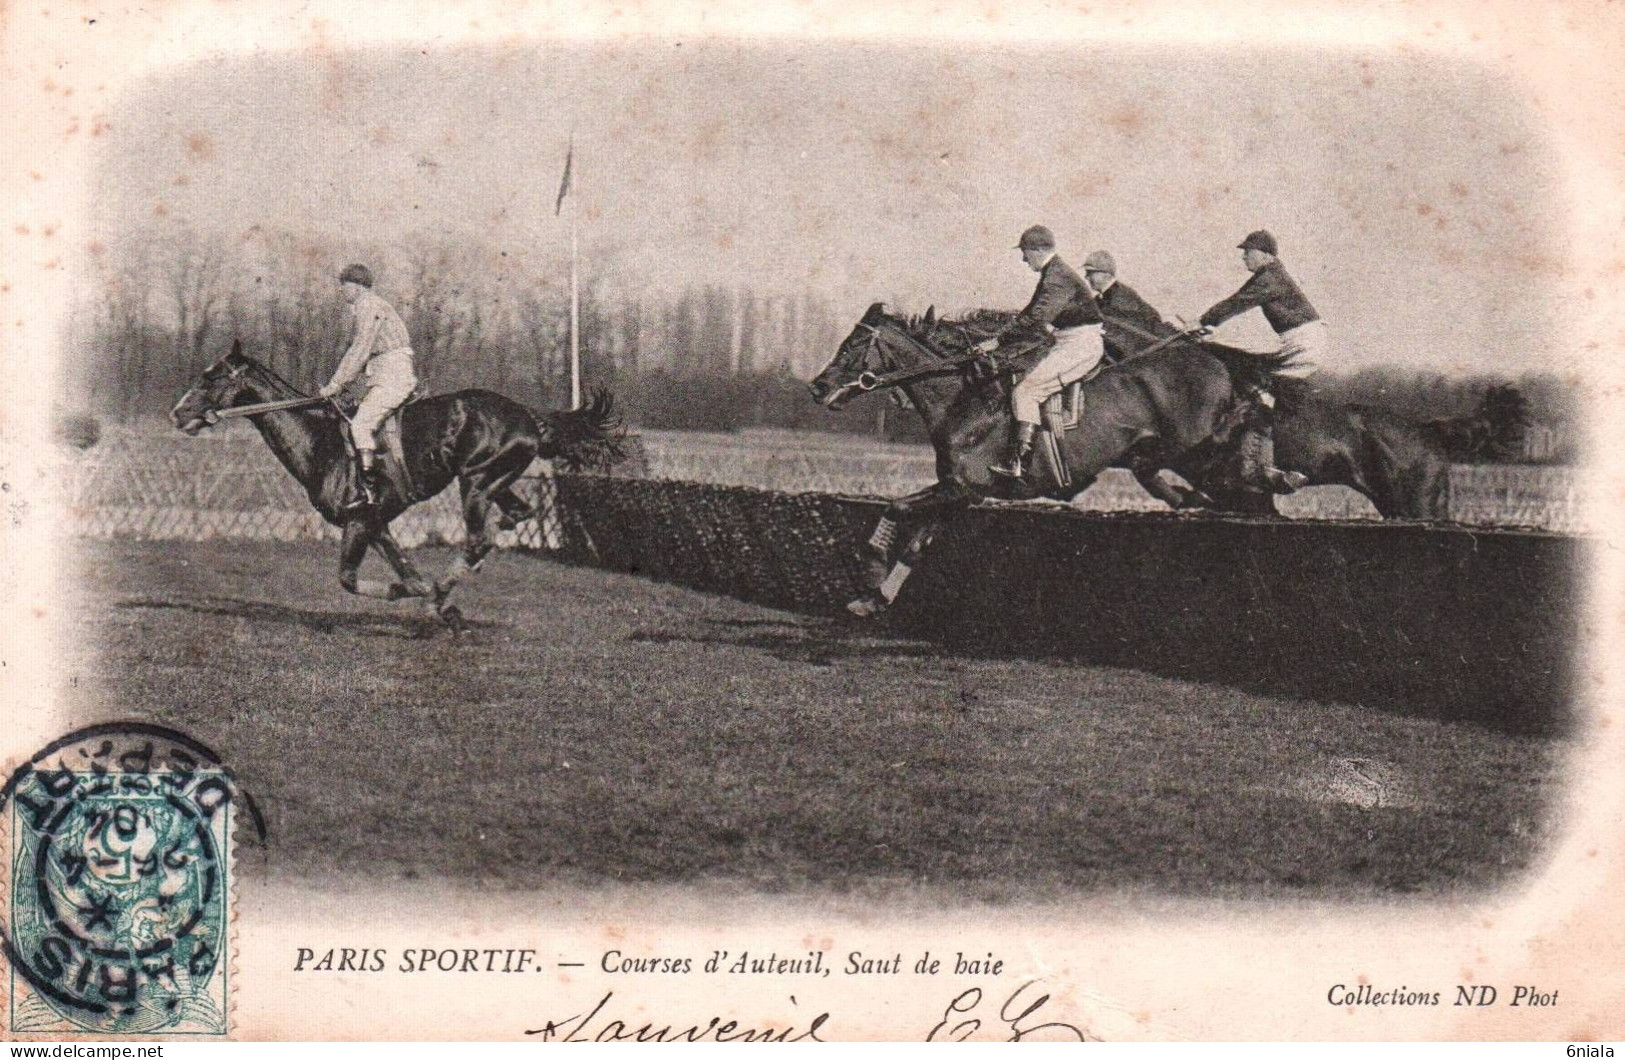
{"points": [[391, 454], [1062, 412]]}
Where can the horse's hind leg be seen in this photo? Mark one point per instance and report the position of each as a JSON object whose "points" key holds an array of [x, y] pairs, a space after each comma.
{"points": [[476, 491], [513, 507]]}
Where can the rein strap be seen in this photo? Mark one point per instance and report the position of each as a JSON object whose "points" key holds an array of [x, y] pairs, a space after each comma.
{"points": [[871, 381], [264, 406]]}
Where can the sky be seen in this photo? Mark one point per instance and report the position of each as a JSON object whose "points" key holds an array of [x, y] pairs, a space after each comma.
{"points": [[1414, 200]]}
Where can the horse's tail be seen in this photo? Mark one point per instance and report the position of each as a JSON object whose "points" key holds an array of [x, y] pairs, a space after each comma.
{"points": [[587, 438], [1492, 432]]}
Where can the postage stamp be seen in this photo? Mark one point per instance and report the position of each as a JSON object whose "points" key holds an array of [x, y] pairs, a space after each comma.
{"points": [[118, 840]]}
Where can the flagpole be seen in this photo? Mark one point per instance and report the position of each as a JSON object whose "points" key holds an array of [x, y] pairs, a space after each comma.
{"points": [[567, 190], [575, 315]]}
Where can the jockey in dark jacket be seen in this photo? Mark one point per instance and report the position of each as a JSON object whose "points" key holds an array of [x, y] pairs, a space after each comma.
{"points": [[1064, 305], [1273, 291], [1132, 323]]}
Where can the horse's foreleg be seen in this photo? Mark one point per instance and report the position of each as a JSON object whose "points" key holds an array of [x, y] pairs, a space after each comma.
{"points": [[883, 594], [1171, 493], [412, 583], [925, 509], [933, 497], [358, 537]]}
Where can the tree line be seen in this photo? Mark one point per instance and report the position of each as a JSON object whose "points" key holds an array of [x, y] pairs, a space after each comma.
{"points": [[163, 304]]}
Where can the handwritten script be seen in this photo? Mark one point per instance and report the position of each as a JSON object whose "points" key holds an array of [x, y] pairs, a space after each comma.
{"points": [[970, 1016], [600, 1026]]}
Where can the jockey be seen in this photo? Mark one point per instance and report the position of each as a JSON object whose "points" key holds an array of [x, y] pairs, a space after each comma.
{"points": [[1302, 334], [381, 350], [1063, 303], [1131, 323]]}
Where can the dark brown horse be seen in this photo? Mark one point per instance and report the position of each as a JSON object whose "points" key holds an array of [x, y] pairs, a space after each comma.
{"points": [[482, 440], [1142, 414], [1403, 467]]}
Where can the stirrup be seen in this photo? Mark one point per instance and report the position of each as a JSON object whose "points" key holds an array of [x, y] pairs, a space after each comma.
{"points": [[364, 497], [1017, 467], [1284, 482], [1273, 481]]}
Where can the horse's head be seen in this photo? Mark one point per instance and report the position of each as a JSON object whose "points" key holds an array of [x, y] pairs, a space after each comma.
{"points": [[221, 386], [856, 361]]}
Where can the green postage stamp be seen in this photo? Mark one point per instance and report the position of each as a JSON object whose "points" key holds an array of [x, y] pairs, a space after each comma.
{"points": [[118, 848]]}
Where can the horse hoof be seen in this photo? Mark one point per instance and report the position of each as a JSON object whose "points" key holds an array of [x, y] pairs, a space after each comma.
{"points": [[866, 607], [452, 616]]}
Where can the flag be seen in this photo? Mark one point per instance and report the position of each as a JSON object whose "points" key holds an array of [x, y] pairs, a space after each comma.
{"points": [[564, 185]]}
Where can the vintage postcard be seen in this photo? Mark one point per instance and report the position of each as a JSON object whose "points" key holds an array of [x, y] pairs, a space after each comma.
{"points": [[817, 521]]}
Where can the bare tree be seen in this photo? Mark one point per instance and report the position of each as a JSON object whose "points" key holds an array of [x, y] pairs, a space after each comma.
{"points": [[542, 319], [193, 278]]}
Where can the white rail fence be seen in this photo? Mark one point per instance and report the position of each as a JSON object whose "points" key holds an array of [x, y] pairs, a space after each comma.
{"points": [[231, 487]]}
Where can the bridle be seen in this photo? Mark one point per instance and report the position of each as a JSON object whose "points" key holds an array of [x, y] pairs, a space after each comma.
{"points": [[868, 381], [235, 372]]}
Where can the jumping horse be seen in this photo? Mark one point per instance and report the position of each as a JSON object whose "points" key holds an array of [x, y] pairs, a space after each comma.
{"points": [[481, 439], [1142, 414]]}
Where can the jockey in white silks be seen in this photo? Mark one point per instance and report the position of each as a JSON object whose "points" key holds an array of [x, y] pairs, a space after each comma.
{"points": [[381, 353]]}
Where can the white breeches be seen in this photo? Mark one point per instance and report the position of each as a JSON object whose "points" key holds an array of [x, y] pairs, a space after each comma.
{"points": [[1076, 351], [390, 381], [1309, 343]]}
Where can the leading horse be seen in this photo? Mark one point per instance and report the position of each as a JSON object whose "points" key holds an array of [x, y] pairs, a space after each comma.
{"points": [[482, 440], [1141, 414]]}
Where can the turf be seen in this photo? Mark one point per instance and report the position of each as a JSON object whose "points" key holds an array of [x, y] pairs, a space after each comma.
{"points": [[597, 727]]}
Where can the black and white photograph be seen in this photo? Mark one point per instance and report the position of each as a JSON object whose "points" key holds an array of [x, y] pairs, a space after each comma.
{"points": [[804, 523]]}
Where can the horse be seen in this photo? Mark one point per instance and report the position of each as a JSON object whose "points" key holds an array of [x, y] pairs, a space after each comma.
{"points": [[1401, 466], [1141, 414], [481, 439]]}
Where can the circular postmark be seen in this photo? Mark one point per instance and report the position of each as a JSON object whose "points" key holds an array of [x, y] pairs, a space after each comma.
{"points": [[118, 852]]}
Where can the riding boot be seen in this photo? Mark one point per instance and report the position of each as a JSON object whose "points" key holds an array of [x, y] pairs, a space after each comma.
{"points": [[363, 486], [1019, 455], [1258, 470]]}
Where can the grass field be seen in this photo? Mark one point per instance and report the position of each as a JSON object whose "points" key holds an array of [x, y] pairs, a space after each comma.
{"points": [[599, 727]]}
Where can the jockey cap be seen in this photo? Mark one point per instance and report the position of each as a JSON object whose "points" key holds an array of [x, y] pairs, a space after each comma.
{"points": [[1259, 240], [1100, 261], [1037, 238], [356, 274]]}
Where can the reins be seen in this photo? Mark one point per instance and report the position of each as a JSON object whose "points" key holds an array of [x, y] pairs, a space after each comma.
{"points": [[215, 416], [867, 381]]}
